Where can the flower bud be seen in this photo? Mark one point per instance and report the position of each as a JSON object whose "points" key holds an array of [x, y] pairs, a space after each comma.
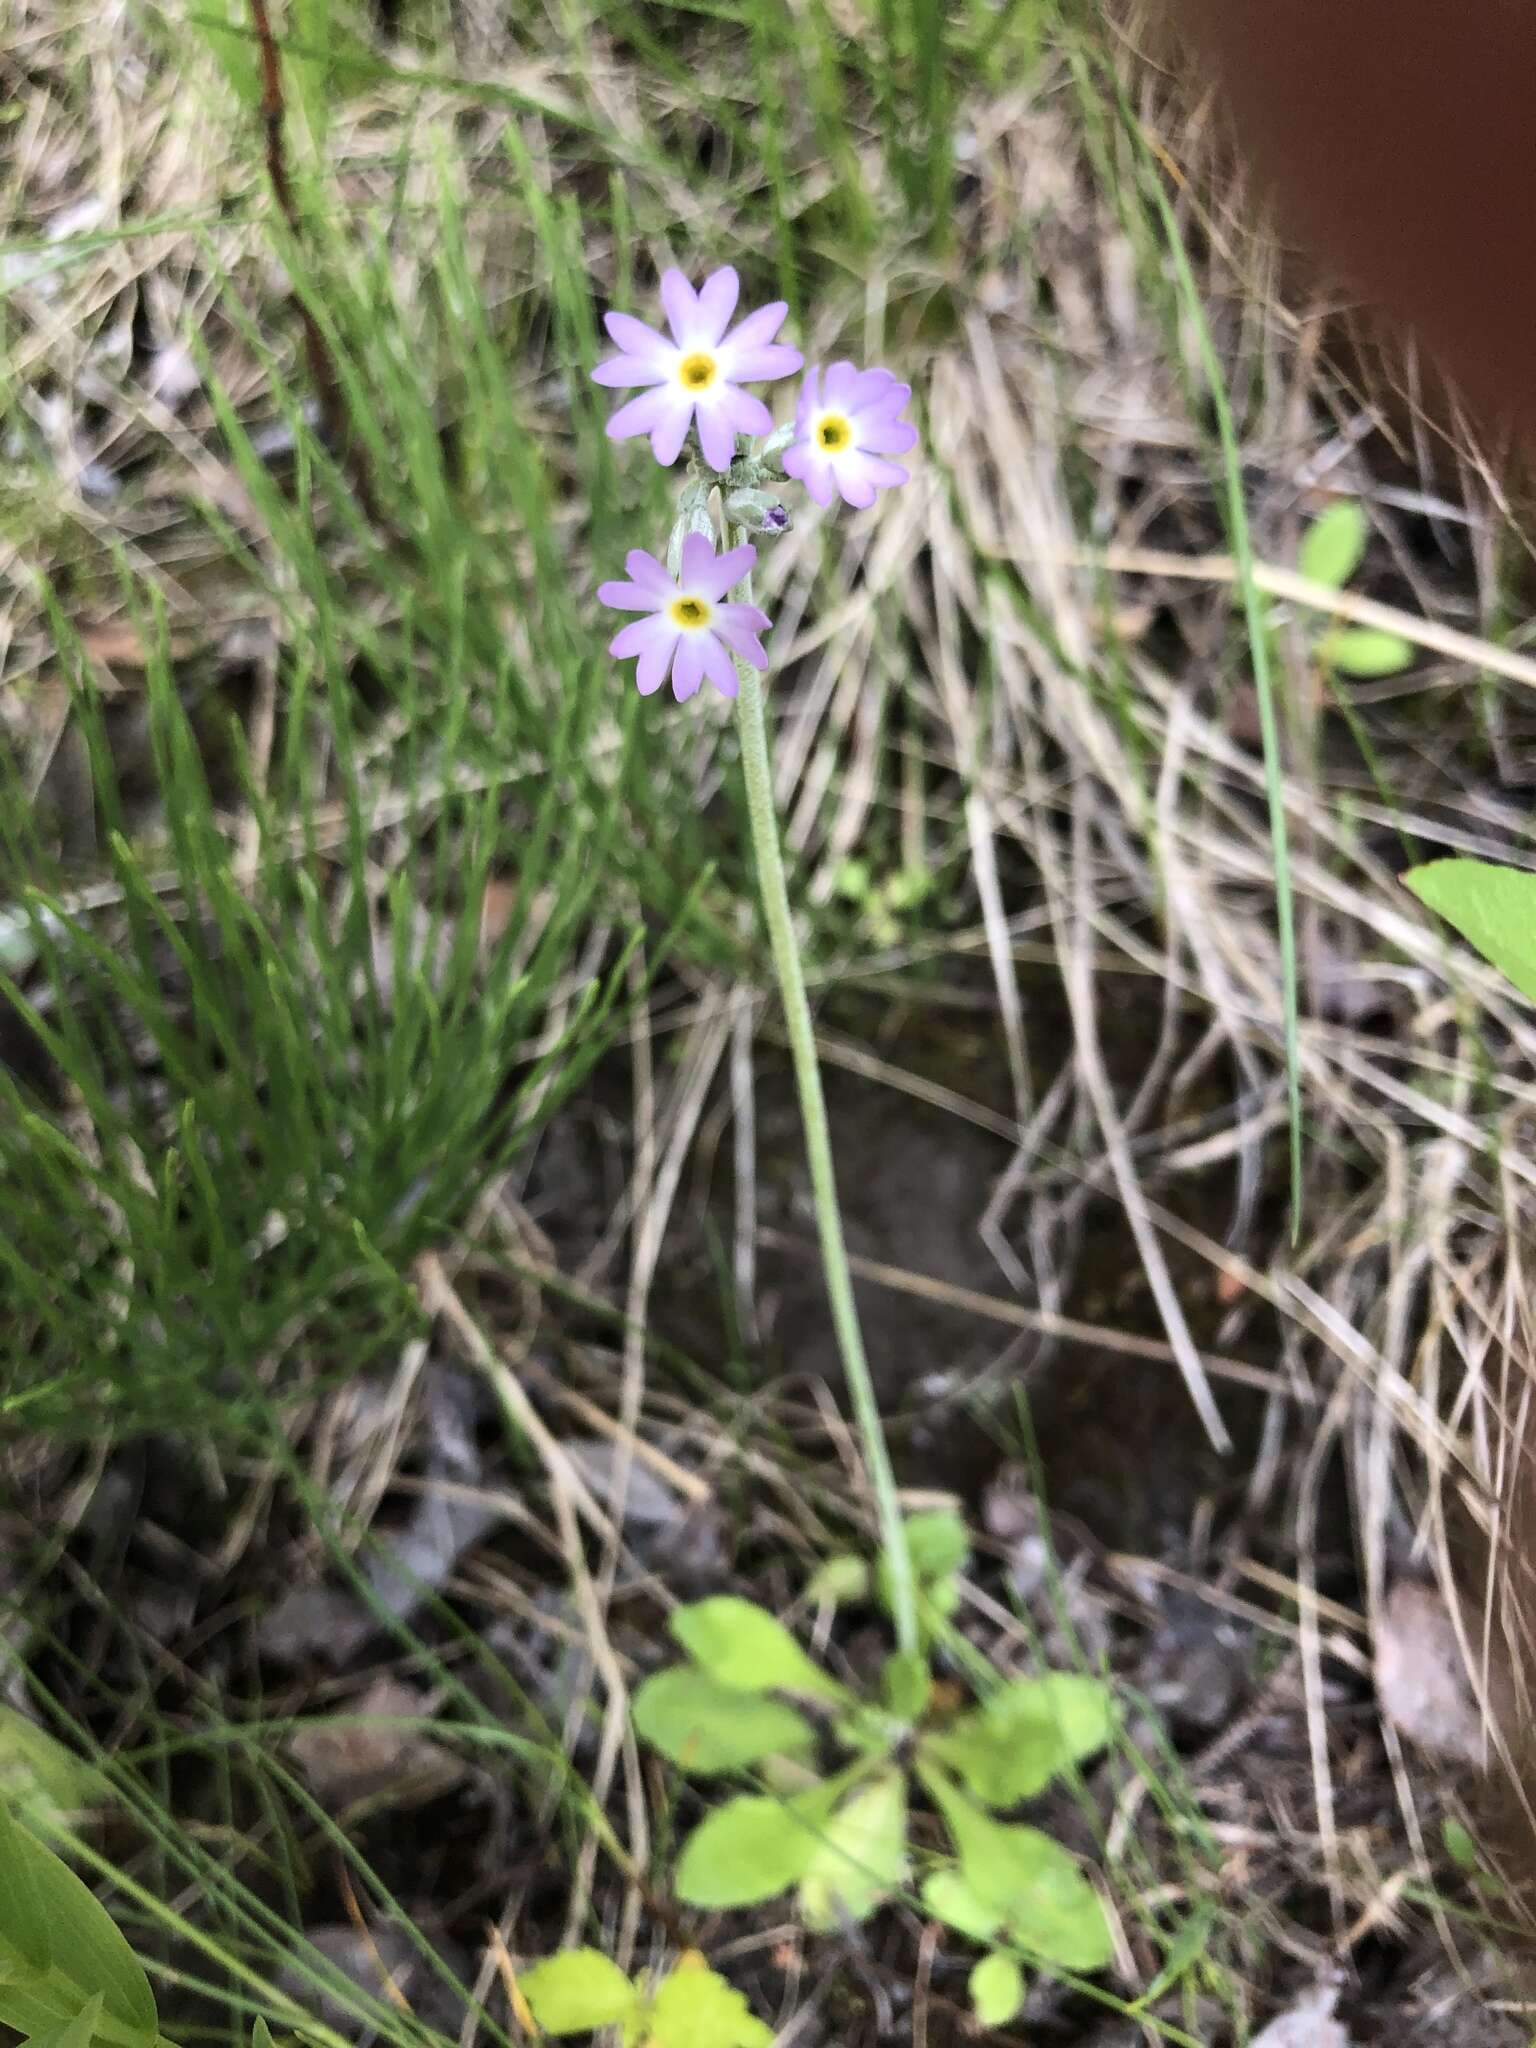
{"points": [[756, 512]]}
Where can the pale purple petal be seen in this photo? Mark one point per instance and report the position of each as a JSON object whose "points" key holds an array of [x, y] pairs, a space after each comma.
{"points": [[812, 467], [682, 308], [712, 579], [759, 328], [626, 597], [697, 560], [670, 434], [688, 669], [625, 372], [636, 339], [717, 302], [640, 634], [746, 414], [810, 397], [878, 386], [752, 618], [887, 437], [649, 573], [717, 437], [651, 668], [753, 365], [738, 625], [858, 476], [643, 415], [839, 385], [717, 665]]}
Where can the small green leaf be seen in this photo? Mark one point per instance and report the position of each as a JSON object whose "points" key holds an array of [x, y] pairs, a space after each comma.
{"points": [[997, 1990], [575, 1991], [937, 1543], [1493, 907], [1025, 1734], [743, 1645], [949, 1898], [706, 1727], [840, 1580], [75, 2033], [860, 1859], [694, 2007], [907, 1685], [261, 2033], [1361, 651], [67, 1938], [751, 1849], [1333, 546], [1045, 1902], [1459, 1845], [852, 881]]}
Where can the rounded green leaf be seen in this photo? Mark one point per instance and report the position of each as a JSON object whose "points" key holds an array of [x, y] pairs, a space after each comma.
{"points": [[1040, 1893], [860, 1859], [743, 1645], [1334, 544], [949, 1898], [997, 1990], [1361, 651], [1493, 907], [706, 1727], [575, 1991], [937, 1542], [695, 2007], [1025, 1734], [839, 1580], [748, 1850]]}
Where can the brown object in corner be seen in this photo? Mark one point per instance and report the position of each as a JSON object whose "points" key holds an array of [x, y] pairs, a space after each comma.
{"points": [[1396, 141]]}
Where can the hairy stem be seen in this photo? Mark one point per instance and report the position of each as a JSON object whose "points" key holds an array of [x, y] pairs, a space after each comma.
{"points": [[757, 771]]}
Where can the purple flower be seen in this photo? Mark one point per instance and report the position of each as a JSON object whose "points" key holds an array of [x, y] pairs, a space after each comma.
{"points": [[693, 376], [845, 428], [687, 619]]}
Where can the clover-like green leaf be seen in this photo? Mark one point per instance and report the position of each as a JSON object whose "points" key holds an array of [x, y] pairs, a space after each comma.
{"points": [[695, 2007], [743, 1645], [577, 1990], [1025, 1734], [1040, 1894], [752, 1848], [949, 1898], [861, 1858], [1493, 907], [1333, 546], [1365, 652], [837, 1581], [997, 1990], [62, 1945], [706, 1727]]}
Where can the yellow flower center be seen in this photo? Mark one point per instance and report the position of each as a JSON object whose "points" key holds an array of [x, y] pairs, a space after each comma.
{"points": [[697, 371], [833, 432], [689, 612]]}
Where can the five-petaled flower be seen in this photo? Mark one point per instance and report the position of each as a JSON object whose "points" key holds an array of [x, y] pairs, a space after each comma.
{"points": [[695, 375], [689, 627], [846, 428]]}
